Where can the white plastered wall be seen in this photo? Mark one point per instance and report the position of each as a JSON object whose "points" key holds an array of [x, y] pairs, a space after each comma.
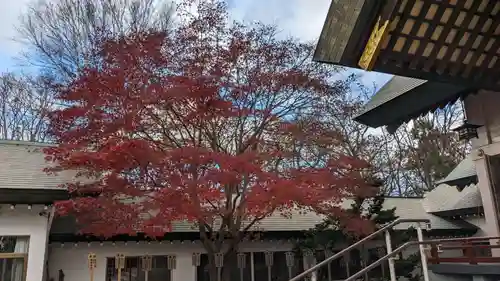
{"points": [[72, 260], [22, 221]]}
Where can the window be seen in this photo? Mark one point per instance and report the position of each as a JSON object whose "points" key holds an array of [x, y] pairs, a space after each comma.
{"points": [[134, 271], [13, 258]]}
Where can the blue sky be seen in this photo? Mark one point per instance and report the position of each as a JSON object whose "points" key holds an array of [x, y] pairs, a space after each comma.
{"points": [[9, 13], [299, 18]]}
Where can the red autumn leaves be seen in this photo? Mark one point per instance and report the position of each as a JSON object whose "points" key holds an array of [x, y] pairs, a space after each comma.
{"points": [[206, 123]]}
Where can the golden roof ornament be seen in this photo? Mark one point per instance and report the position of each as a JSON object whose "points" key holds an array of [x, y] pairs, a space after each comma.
{"points": [[372, 47]]}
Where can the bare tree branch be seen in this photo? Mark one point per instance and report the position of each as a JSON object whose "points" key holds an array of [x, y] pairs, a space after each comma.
{"points": [[64, 35], [24, 106]]}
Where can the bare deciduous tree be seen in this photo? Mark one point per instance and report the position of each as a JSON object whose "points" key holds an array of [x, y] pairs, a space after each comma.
{"points": [[24, 104], [411, 160], [63, 35], [428, 149]]}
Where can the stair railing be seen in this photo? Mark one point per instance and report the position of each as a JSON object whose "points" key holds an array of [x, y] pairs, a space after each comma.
{"points": [[412, 243], [385, 229]]}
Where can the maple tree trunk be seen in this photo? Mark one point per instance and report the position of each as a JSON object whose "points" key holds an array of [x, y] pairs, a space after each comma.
{"points": [[230, 261], [212, 268]]}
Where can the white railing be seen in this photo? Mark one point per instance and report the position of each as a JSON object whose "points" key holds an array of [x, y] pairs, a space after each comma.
{"points": [[385, 229]]}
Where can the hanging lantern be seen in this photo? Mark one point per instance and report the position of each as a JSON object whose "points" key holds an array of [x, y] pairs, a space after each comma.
{"points": [[467, 131]]}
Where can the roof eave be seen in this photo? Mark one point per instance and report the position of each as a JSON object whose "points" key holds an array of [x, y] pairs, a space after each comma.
{"points": [[426, 98], [460, 183], [472, 211], [32, 196]]}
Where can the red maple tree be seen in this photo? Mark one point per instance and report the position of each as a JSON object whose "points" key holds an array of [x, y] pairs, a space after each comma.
{"points": [[206, 124]]}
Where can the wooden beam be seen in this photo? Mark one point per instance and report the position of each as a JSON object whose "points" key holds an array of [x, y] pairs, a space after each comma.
{"points": [[445, 41]]}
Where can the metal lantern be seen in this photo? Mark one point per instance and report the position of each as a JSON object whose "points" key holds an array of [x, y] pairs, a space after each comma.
{"points": [[219, 260], [146, 263], [196, 259], [120, 261], [467, 131], [269, 258], [242, 260], [119, 264], [289, 257], [309, 256], [171, 262], [290, 262]]}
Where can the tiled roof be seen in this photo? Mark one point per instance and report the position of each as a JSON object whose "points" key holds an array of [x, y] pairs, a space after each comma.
{"points": [[447, 198], [464, 174], [403, 99], [408, 208], [22, 164], [394, 88], [22, 167], [470, 198], [438, 197]]}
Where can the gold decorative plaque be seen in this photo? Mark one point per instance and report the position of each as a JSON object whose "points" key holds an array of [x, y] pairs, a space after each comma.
{"points": [[372, 47]]}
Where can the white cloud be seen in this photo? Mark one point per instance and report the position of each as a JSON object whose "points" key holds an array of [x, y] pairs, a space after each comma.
{"points": [[10, 14], [300, 18]]}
